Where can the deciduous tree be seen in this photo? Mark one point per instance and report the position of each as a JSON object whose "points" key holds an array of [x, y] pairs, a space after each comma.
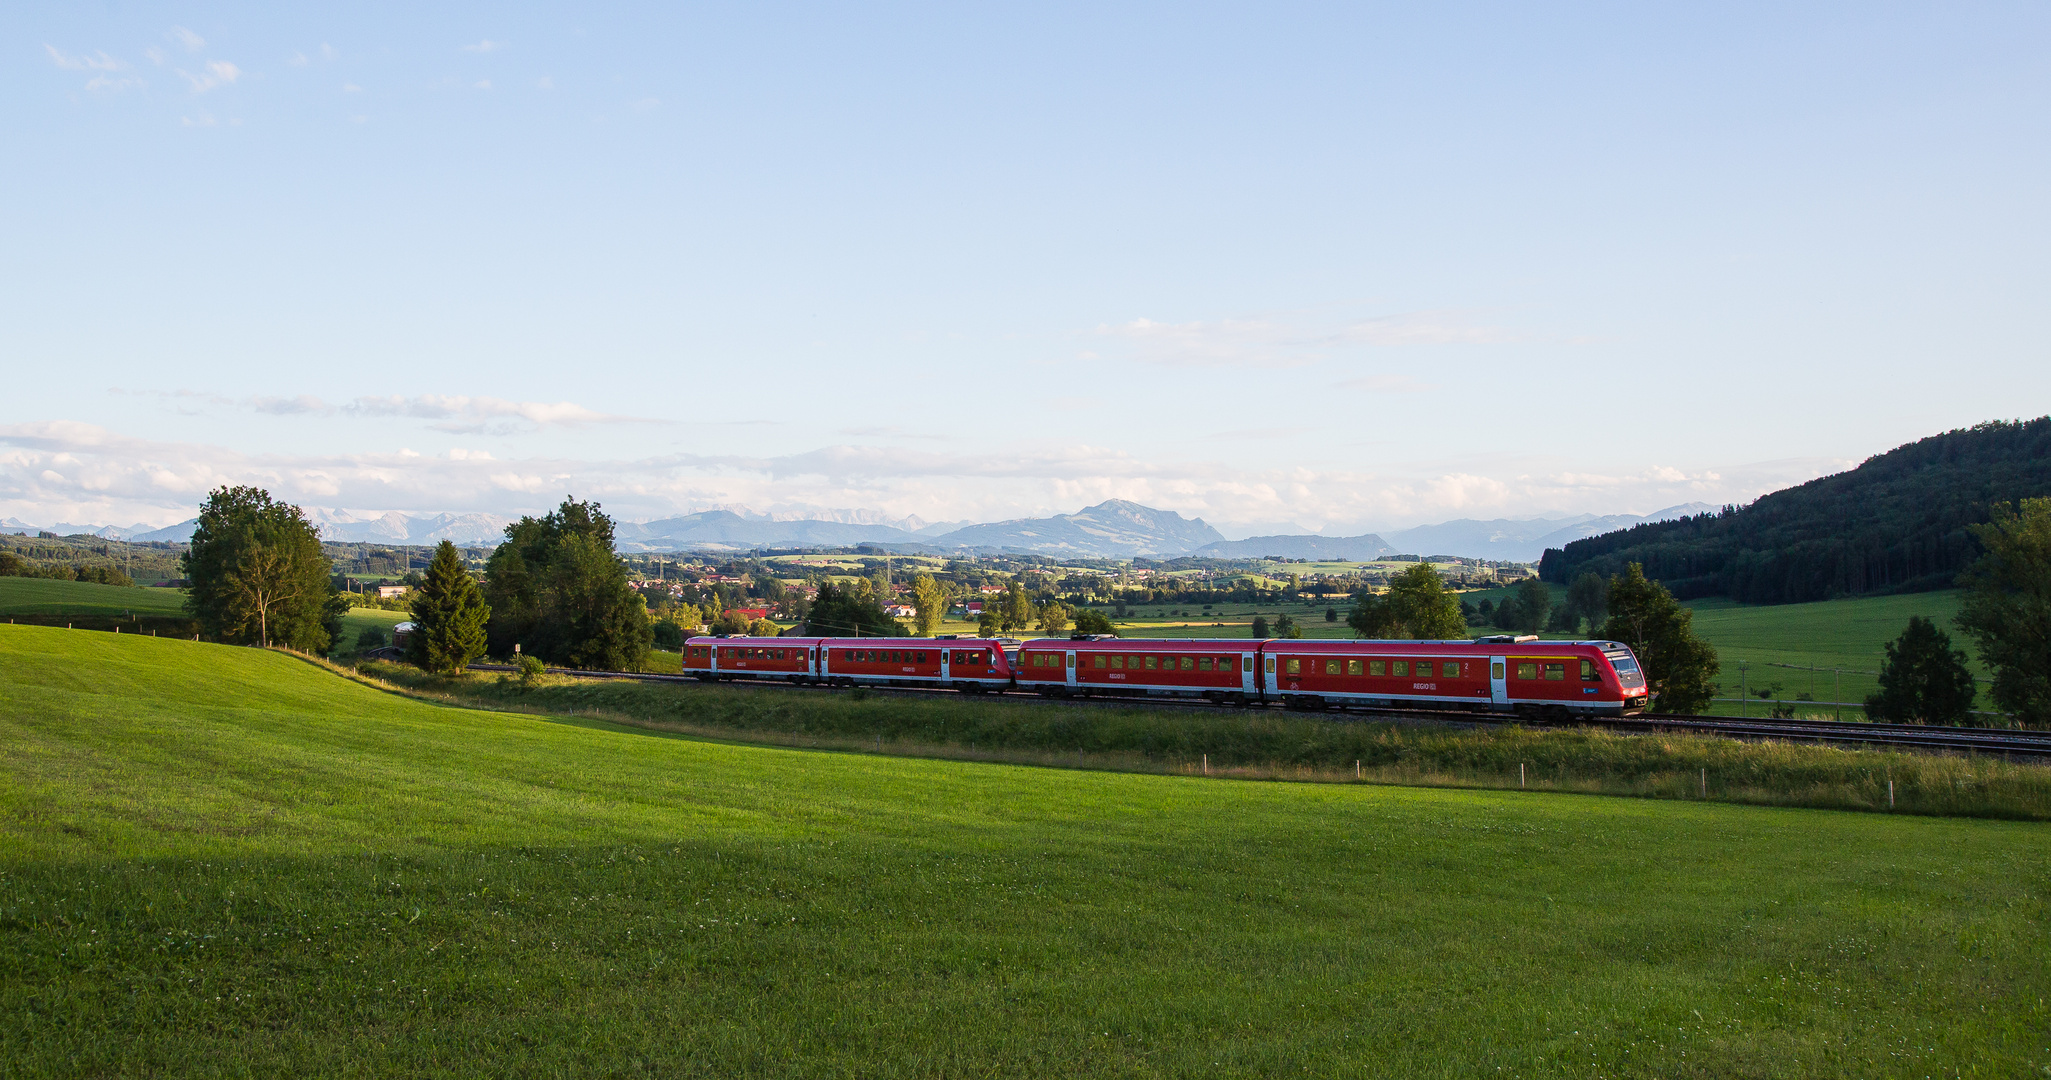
{"points": [[2007, 608], [1092, 621], [1415, 606], [1533, 606], [1588, 598], [449, 615], [1054, 618], [258, 574], [1924, 679], [930, 600], [556, 588], [1680, 668]]}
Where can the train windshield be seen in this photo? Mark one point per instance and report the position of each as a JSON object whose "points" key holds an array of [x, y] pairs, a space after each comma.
{"points": [[1627, 669]]}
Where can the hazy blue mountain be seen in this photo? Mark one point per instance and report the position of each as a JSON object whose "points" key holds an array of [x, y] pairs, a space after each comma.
{"points": [[1300, 546], [1520, 540], [1113, 529], [724, 530]]}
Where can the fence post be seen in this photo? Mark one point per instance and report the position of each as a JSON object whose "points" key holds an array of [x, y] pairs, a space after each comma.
{"points": [[1705, 781]]}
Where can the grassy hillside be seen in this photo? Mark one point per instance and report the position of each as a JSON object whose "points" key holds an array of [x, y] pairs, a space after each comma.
{"points": [[46, 596], [225, 861], [1774, 641]]}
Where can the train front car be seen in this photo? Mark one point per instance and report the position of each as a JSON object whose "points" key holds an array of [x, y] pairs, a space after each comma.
{"points": [[1096, 667], [1541, 679], [778, 658]]}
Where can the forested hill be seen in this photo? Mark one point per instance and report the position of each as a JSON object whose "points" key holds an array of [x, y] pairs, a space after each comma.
{"points": [[1895, 524]]}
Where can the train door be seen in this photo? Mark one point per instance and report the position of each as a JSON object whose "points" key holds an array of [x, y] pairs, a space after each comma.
{"points": [[1268, 683], [1246, 674], [1498, 681], [1071, 669], [946, 663]]}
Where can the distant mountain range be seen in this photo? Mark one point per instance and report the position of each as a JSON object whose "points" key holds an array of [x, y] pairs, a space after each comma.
{"points": [[1116, 529], [1523, 540]]}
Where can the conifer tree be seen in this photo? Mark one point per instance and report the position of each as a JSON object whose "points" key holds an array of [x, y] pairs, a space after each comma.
{"points": [[1924, 679], [449, 615]]}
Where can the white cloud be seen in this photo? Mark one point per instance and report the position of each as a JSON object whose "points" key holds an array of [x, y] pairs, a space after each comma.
{"points": [[98, 61], [482, 84], [485, 46], [297, 59], [546, 82], [351, 88], [203, 120], [70, 471], [192, 42], [216, 73], [473, 414]]}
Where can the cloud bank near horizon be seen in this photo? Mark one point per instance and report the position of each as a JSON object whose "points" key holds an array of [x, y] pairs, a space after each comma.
{"points": [[63, 470]]}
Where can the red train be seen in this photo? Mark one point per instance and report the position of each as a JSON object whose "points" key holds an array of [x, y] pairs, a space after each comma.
{"points": [[1492, 674]]}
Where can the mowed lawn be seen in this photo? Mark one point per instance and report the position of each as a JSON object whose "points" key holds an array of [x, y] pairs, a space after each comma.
{"points": [[220, 861]]}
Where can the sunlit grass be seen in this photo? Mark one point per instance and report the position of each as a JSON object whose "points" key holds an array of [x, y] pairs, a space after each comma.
{"points": [[221, 861]]}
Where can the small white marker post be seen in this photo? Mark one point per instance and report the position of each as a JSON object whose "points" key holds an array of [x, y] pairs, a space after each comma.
{"points": [[1207, 764], [1356, 769], [1520, 774], [1890, 794], [1705, 781]]}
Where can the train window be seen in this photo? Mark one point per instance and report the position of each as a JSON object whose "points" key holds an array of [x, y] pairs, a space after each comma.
{"points": [[1153, 663], [1331, 667], [1271, 664], [1556, 671], [848, 655], [1118, 663], [1295, 666], [1495, 670], [1588, 671], [922, 658], [1225, 663], [1187, 663], [1450, 669], [1527, 669], [1132, 662], [1402, 667], [1377, 667], [1352, 667], [1203, 663], [1424, 669], [1071, 659], [1097, 661]]}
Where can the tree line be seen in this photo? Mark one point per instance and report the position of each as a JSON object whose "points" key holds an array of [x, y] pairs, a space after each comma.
{"points": [[258, 575], [1901, 522]]}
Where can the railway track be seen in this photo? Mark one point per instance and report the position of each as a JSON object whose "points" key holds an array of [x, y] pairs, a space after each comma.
{"points": [[2025, 744]]}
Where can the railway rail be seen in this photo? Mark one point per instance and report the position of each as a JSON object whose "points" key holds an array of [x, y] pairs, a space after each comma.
{"points": [[2006, 742]]}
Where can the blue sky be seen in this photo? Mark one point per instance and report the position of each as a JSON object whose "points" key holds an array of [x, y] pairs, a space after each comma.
{"points": [[1339, 267]]}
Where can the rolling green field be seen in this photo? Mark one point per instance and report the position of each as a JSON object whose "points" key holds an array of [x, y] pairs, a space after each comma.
{"points": [[48, 596], [220, 861], [1850, 635]]}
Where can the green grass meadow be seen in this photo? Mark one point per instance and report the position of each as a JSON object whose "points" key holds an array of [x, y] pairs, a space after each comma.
{"points": [[225, 862], [48, 596]]}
